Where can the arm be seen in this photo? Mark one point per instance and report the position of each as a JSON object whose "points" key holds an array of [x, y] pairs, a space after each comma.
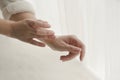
{"points": [[11, 11], [26, 30], [23, 24], [62, 43], [22, 16], [5, 27]]}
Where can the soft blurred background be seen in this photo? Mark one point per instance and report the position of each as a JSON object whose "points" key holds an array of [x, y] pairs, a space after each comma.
{"points": [[95, 22]]}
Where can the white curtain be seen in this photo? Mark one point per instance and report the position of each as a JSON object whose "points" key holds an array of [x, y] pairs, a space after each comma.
{"points": [[112, 38], [85, 19], [95, 22]]}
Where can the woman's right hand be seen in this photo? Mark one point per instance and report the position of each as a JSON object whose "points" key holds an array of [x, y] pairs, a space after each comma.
{"points": [[27, 30], [68, 43]]}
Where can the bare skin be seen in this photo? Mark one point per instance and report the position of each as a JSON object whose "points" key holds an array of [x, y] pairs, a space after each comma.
{"points": [[27, 30], [25, 27], [69, 43]]}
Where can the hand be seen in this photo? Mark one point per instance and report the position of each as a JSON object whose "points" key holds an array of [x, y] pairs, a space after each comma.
{"points": [[68, 43], [27, 30]]}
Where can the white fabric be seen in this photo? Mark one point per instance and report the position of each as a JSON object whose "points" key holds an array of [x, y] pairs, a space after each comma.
{"points": [[101, 33], [10, 7], [96, 22], [21, 61], [1, 14]]}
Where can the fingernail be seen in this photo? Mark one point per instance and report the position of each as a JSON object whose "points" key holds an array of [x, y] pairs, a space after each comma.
{"points": [[46, 24]]}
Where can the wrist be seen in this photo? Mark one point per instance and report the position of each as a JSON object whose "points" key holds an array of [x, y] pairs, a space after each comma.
{"points": [[49, 40], [10, 28], [6, 27]]}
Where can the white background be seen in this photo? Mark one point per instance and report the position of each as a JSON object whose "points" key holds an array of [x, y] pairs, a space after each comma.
{"points": [[95, 22]]}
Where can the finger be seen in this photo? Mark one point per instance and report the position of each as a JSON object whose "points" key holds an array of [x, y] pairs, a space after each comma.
{"points": [[82, 54], [73, 52], [42, 24], [43, 31], [43, 21], [79, 43], [82, 46], [37, 24], [68, 57], [72, 48], [34, 42]]}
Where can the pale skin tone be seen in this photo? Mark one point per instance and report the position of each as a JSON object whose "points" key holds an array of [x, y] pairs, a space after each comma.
{"points": [[68, 43], [24, 26], [25, 29]]}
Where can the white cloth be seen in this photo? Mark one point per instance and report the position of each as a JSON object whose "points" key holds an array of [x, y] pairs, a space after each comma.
{"points": [[10, 7], [21, 61]]}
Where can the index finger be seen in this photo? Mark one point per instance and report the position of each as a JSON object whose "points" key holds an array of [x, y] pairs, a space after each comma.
{"points": [[37, 24], [42, 24], [82, 53]]}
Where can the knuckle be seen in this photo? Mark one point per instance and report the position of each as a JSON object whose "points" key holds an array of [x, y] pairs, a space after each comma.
{"points": [[29, 22]]}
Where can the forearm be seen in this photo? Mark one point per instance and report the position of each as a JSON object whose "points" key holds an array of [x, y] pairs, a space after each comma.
{"points": [[5, 27], [22, 16], [27, 15]]}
